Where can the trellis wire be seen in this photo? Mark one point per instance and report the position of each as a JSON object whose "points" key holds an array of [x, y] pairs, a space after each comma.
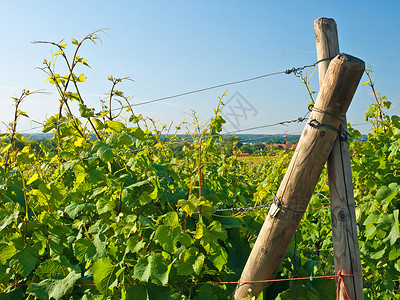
{"points": [[295, 71]]}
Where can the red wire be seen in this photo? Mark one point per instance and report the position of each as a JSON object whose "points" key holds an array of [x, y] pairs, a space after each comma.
{"points": [[340, 275], [271, 280], [341, 279]]}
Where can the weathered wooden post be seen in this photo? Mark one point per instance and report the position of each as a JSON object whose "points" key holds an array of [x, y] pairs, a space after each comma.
{"points": [[298, 184], [344, 227]]}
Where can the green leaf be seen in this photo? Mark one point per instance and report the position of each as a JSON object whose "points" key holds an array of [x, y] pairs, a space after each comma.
{"points": [[219, 257], [171, 219], [370, 231], [8, 215], [210, 235], [85, 111], [189, 206], [104, 274], [119, 140], [304, 289], [67, 155], [372, 218], [113, 126], [100, 241], [7, 252], [136, 132], [396, 121], [105, 154], [166, 237], [103, 206], [387, 193], [198, 265], [96, 176], [145, 198], [5, 148], [134, 244], [160, 270], [394, 253], [378, 254], [370, 183], [145, 222], [17, 293], [371, 112], [98, 124], [186, 262], [74, 209], [142, 269], [139, 183], [50, 288], [33, 178], [85, 250], [152, 267], [386, 104], [25, 262], [72, 96], [52, 268], [134, 292], [22, 113], [394, 233], [207, 295]]}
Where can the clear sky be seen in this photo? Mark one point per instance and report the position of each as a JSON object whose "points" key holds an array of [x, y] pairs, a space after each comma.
{"points": [[172, 47]]}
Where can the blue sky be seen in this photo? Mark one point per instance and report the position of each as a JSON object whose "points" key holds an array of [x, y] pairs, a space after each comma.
{"points": [[171, 47]]}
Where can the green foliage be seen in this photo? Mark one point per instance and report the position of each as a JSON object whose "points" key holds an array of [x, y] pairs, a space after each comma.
{"points": [[122, 216], [377, 190]]}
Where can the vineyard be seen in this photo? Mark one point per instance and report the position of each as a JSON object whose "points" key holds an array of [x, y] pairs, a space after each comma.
{"points": [[108, 210]]}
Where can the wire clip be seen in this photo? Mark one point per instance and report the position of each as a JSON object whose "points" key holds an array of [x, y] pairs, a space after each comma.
{"points": [[277, 206], [273, 211], [316, 124]]}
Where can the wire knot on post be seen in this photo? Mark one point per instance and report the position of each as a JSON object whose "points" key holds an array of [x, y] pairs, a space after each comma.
{"points": [[341, 279], [297, 71], [277, 206], [292, 70]]}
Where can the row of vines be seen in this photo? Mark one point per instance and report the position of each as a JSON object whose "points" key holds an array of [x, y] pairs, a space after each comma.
{"points": [[118, 216]]}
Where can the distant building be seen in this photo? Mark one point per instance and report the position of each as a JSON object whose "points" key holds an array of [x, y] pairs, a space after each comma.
{"points": [[242, 154], [284, 146]]}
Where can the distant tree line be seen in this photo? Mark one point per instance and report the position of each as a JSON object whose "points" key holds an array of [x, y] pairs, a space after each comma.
{"points": [[252, 144]]}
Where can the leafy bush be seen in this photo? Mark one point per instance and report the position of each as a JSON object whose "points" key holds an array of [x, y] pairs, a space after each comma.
{"points": [[118, 216]]}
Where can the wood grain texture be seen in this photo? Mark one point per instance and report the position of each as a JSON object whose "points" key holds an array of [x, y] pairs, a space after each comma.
{"points": [[298, 184], [344, 228], [326, 38]]}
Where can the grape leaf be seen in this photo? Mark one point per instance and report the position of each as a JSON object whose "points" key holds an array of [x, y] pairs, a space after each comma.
{"points": [[210, 235], [51, 288], [119, 140], [186, 262], [104, 274], [85, 250], [152, 267], [25, 262], [394, 233]]}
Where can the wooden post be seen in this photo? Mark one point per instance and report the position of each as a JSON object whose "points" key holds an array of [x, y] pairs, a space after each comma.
{"points": [[344, 227], [298, 184]]}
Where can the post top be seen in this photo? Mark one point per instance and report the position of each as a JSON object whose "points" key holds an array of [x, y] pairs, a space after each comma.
{"points": [[325, 20], [343, 57]]}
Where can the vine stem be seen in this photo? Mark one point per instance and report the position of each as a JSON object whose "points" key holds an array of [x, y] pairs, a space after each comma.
{"points": [[14, 126], [374, 93], [200, 167], [110, 100]]}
